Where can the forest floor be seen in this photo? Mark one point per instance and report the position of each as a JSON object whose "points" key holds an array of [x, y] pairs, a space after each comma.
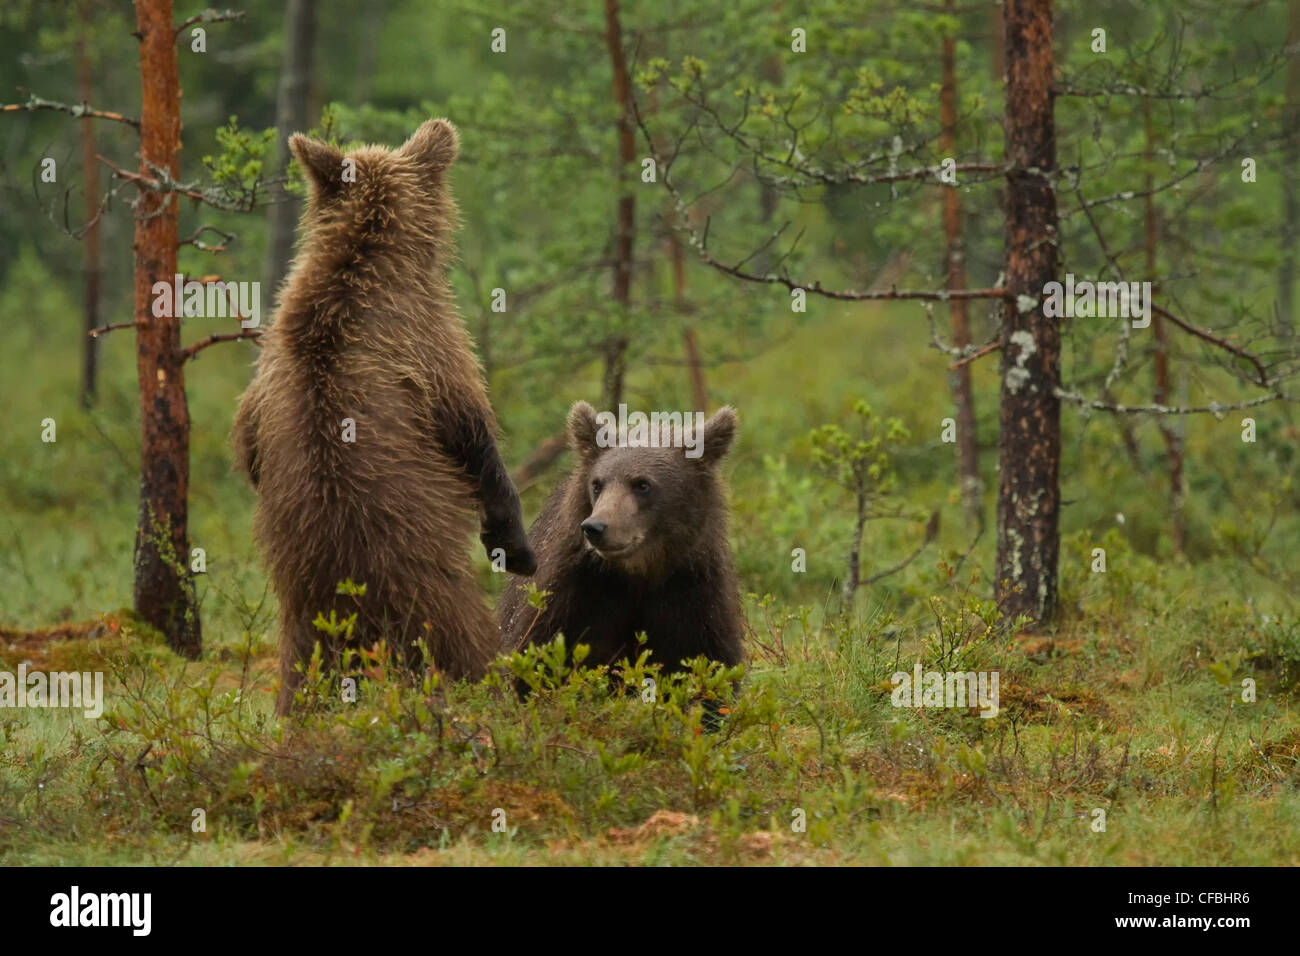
{"points": [[1113, 745]]}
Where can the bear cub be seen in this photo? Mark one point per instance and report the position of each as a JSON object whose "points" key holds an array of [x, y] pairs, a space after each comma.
{"points": [[635, 540], [367, 430]]}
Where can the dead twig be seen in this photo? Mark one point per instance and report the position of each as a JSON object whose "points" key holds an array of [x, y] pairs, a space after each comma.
{"points": [[79, 110]]}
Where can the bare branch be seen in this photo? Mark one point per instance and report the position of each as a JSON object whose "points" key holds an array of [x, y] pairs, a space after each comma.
{"points": [[931, 529], [1167, 92], [1121, 355], [194, 240], [920, 174], [965, 353], [804, 172], [1217, 409], [1262, 381], [95, 333], [699, 242], [1125, 195], [1130, 89], [80, 110], [199, 346], [979, 353], [542, 457], [1121, 351], [211, 16]]}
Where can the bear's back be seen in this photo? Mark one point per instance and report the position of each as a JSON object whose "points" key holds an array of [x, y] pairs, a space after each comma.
{"points": [[351, 467]]}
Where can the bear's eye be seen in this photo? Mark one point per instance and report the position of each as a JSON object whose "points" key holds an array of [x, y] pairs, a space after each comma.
{"points": [[641, 486], [596, 486]]}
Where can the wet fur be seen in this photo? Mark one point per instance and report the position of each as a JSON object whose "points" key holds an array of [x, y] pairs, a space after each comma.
{"points": [[679, 586], [367, 329]]}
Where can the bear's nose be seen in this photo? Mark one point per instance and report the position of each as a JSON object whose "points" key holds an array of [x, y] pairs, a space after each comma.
{"points": [[593, 529]]}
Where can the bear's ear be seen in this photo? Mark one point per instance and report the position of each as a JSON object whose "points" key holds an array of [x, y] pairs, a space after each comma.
{"points": [[322, 162], [718, 433], [583, 431], [436, 144]]}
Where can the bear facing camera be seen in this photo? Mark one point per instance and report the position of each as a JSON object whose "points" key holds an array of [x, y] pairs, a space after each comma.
{"points": [[635, 540]]}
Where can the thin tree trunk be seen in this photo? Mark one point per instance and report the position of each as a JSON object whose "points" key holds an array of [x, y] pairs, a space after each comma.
{"points": [[678, 259], [959, 380], [164, 589], [854, 577], [292, 114], [1290, 196], [1029, 447], [542, 457], [90, 180], [616, 346], [998, 61], [1173, 443], [699, 392], [769, 198], [615, 370]]}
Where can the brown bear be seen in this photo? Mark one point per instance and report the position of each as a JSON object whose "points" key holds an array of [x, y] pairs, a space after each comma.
{"points": [[635, 540], [367, 430]]}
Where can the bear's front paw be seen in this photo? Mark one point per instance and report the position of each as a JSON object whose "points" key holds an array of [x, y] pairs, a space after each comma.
{"points": [[513, 542]]}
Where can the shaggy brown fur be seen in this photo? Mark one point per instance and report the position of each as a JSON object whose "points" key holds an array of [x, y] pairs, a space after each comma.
{"points": [[635, 539], [367, 330]]}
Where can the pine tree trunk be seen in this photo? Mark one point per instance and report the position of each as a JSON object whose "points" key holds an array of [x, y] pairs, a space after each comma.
{"points": [[625, 232], [90, 184], [164, 589], [292, 115], [854, 576], [677, 260], [997, 46], [677, 256], [959, 380], [699, 392], [771, 70], [1029, 447]]}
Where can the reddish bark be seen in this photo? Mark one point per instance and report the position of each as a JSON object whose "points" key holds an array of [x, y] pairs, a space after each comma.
{"points": [[542, 457], [699, 392], [616, 347], [164, 590], [959, 380], [678, 258], [998, 61], [1029, 447]]}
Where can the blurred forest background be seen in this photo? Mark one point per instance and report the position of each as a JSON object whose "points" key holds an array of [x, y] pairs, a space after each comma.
{"points": [[692, 203]]}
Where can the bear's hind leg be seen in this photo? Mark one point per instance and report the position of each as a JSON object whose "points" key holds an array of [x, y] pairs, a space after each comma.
{"points": [[462, 634]]}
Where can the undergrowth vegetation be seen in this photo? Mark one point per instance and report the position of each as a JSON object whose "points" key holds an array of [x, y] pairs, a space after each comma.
{"points": [[807, 760]]}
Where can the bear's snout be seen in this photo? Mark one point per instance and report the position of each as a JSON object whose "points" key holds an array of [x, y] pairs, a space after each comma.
{"points": [[593, 530]]}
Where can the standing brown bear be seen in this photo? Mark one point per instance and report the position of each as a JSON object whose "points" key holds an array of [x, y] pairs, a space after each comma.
{"points": [[367, 430], [635, 540]]}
